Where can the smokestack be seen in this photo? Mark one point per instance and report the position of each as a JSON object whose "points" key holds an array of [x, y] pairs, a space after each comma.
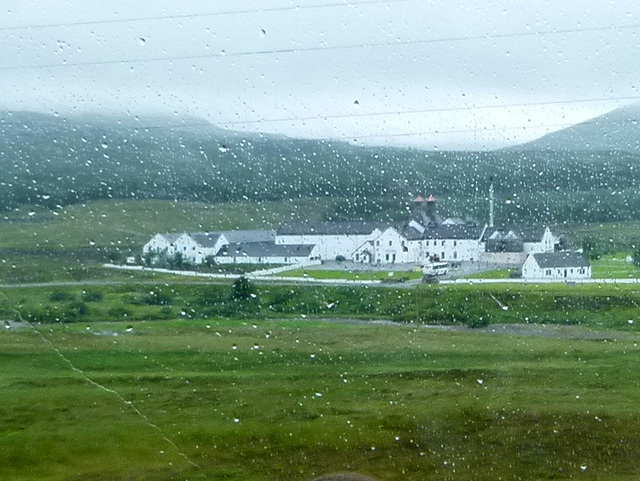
{"points": [[491, 202]]}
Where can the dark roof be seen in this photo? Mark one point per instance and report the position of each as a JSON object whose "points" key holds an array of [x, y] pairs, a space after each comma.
{"points": [[171, 237], [533, 233], [561, 259], [244, 236], [452, 232], [441, 232], [265, 249], [209, 239], [329, 228], [205, 239]]}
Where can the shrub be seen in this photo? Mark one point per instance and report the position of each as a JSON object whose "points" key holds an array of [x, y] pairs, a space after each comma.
{"points": [[92, 296], [60, 296], [242, 289]]}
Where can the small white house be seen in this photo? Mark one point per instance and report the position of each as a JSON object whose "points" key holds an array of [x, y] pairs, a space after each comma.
{"points": [[556, 266]]}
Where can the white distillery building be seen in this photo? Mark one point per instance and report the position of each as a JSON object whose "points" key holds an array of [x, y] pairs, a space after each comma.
{"points": [[332, 239], [556, 266], [196, 247], [423, 237], [452, 243]]}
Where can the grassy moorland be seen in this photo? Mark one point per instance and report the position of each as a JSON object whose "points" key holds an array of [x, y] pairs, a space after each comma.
{"points": [[353, 275], [273, 400], [596, 306]]}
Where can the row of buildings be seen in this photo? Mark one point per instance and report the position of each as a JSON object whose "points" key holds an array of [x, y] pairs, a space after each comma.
{"points": [[421, 238]]}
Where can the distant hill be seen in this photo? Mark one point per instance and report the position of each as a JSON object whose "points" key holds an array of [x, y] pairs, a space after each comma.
{"points": [[48, 160], [616, 131]]}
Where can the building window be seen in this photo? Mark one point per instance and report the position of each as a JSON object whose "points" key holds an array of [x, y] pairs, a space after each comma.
{"points": [[393, 259], [455, 254], [442, 256], [377, 243], [357, 257], [455, 243], [390, 243], [547, 272], [443, 244], [386, 257]]}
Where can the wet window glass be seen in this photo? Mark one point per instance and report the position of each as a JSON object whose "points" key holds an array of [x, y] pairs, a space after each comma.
{"points": [[325, 239]]}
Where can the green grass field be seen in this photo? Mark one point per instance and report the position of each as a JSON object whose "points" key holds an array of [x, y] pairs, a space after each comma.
{"points": [[291, 399], [155, 377], [614, 267], [352, 275], [493, 274]]}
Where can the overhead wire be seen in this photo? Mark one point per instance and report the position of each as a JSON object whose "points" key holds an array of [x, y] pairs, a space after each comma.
{"points": [[223, 53], [201, 15]]}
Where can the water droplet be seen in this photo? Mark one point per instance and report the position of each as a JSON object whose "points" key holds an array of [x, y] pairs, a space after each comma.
{"points": [[480, 381], [256, 346], [630, 321], [236, 420], [234, 347], [223, 52], [223, 149], [105, 145], [142, 41], [318, 394], [129, 328]]}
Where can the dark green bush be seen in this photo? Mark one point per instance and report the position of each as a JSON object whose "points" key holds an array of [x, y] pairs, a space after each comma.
{"points": [[92, 296]]}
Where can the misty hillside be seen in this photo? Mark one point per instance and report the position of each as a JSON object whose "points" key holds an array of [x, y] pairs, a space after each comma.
{"points": [[616, 131], [52, 160], [48, 161]]}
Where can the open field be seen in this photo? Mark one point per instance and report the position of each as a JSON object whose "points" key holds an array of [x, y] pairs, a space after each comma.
{"points": [[596, 306], [614, 267], [348, 274], [273, 400], [492, 274]]}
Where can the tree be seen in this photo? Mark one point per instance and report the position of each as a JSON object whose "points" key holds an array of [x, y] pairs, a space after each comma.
{"points": [[636, 257], [242, 289], [591, 249]]}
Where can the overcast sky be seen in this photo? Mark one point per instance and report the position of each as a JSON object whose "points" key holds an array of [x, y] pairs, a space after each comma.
{"points": [[437, 74]]}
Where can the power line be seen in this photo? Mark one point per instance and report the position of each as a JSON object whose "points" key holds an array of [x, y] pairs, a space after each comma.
{"points": [[460, 131], [289, 50], [435, 110], [200, 15], [405, 112]]}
